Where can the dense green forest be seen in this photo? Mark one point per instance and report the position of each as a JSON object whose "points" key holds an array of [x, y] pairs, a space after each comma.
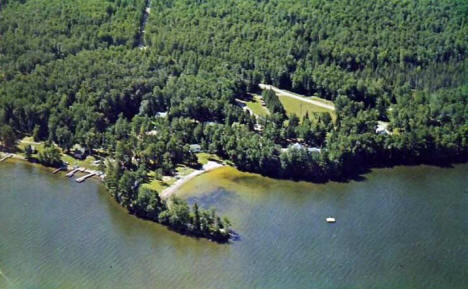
{"points": [[75, 72]]}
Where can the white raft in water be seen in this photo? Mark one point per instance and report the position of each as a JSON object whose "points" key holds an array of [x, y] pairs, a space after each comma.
{"points": [[330, 220]]}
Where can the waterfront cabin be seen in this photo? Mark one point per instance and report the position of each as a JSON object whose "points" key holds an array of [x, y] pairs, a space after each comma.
{"points": [[296, 146], [152, 132], [314, 150], [79, 152], [258, 127], [161, 114], [382, 128], [195, 148]]}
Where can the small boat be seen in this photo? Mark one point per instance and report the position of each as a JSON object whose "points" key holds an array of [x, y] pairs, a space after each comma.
{"points": [[330, 220]]}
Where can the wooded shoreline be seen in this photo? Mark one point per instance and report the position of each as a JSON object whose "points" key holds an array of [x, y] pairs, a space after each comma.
{"points": [[193, 226]]}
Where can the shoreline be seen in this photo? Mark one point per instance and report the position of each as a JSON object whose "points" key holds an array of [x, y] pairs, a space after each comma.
{"points": [[66, 168], [172, 189], [165, 194]]}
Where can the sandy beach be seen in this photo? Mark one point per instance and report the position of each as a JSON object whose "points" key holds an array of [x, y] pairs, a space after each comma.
{"points": [[179, 183]]}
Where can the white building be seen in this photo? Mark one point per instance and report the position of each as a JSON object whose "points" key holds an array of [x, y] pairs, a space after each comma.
{"points": [[195, 148], [382, 128], [161, 114]]}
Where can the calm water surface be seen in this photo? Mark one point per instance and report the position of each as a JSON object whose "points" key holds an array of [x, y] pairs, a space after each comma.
{"points": [[405, 227]]}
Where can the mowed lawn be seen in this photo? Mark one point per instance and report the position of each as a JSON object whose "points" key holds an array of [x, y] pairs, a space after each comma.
{"points": [[87, 163], [301, 108], [160, 185], [255, 104]]}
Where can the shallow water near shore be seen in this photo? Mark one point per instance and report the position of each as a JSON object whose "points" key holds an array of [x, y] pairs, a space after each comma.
{"points": [[405, 227]]}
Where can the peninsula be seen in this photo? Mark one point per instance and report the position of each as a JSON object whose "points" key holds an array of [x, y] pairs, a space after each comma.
{"points": [[154, 90]]}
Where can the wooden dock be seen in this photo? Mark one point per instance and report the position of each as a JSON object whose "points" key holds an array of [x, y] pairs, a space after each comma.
{"points": [[6, 157], [72, 172], [58, 170], [83, 178]]}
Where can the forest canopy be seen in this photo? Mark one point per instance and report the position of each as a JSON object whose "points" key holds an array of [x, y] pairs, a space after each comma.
{"points": [[100, 73]]}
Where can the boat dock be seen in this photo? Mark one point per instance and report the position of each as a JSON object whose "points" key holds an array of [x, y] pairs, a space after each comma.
{"points": [[89, 173], [58, 170], [6, 157], [83, 178], [72, 172]]}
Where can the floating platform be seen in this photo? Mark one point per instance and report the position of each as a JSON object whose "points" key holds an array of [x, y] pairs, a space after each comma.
{"points": [[58, 170], [83, 178], [72, 172], [6, 157], [330, 220]]}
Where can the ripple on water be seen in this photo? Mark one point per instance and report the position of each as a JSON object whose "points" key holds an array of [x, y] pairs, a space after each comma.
{"points": [[392, 231]]}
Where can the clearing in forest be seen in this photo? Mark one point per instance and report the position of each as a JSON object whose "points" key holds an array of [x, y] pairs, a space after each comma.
{"points": [[300, 105], [256, 105]]}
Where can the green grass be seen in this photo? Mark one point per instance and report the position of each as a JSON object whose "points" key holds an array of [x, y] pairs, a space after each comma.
{"points": [[154, 183], [39, 146], [256, 106], [86, 163], [300, 108], [182, 170], [204, 158], [158, 185], [324, 101]]}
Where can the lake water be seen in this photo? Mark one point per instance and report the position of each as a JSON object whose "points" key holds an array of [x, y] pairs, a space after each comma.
{"points": [[405, 227]]}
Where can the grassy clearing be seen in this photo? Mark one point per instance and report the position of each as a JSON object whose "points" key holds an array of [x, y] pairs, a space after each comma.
{"points": [[182, 171], [301, 105], [255, 104], [324, 101], [86, 163], [159, 185], [39, 147], [301, 108], [204, 158]]}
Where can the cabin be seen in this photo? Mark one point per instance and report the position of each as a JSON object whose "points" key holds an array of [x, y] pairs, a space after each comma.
{"points": [[152, 132], [258, 127], [314, 150], [240, 103], [382, 128], [299, 146], [161, 114], [296, 146], [195, 148], [79, 152]]}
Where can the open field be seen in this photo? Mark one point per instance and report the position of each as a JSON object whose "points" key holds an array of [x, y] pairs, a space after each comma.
{"points": [[255, 105], [301, 108], [301, 105], [204, 158], [86, 163]]}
